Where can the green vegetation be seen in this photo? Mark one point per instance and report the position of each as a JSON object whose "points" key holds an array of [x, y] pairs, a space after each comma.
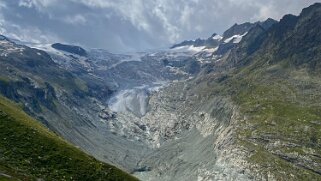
{"points": [[4, 80], [282, 129], [29, 151]]}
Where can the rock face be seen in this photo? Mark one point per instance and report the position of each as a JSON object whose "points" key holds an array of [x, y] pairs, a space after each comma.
{"points": [[70, 48], [192, 137], [212, 41]]}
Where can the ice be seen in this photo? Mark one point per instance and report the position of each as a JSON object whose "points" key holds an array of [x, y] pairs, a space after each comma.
{"points": [[235, 38], [217, 37], [189, 48], [133, 100]]}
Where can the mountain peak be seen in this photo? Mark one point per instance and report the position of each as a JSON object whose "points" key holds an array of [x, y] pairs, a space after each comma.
{"points": [[238, 29], [4, 38], [287, 22], [267, 23], [313, 8], [214, 34]]}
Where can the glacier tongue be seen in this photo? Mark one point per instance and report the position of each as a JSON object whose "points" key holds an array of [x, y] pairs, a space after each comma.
{"points": [[133, 100]]}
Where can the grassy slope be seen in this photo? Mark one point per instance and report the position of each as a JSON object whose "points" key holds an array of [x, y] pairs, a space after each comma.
{"points": [[281, 105], [29, 151], [282, 109]]}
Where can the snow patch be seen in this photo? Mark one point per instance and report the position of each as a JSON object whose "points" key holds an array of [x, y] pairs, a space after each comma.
{"points": [[217, 37], [8, 47], [176, 70], [235, 38], [189, 48], [211, 50]]}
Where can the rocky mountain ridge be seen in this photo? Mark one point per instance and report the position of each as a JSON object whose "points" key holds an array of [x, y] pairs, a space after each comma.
{"points": [[224, 43]]}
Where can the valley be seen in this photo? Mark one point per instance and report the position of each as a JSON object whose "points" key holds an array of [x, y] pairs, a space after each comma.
{"points": [[244, 105]]}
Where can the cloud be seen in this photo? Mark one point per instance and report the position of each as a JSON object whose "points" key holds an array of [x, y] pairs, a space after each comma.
{"points": [[29, 34], [75, 19], [123, 25], [38, 4], [26, 3]]}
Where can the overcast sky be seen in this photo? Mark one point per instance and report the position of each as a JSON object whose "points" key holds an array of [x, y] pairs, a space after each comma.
{"points": [[132, 25]]}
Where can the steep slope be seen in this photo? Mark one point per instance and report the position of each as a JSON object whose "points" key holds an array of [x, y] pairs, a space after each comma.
{"points": [[277, 86], [295, 41], [28, 151]]}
